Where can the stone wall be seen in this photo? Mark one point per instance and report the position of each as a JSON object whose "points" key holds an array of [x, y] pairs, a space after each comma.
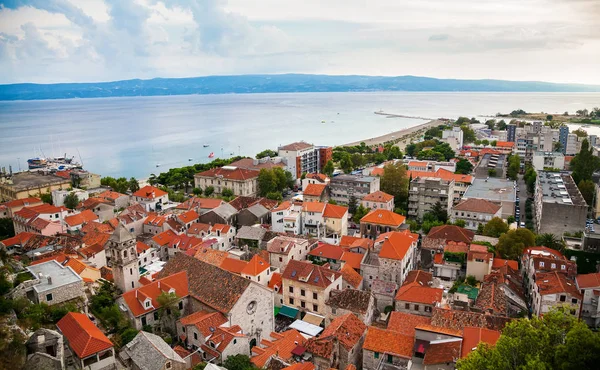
{"points": [[414, 308], [63, 293], [258, 322], [371, 363]]}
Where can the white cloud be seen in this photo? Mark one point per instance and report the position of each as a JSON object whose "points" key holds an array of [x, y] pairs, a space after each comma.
{"points": [[83, 40]]}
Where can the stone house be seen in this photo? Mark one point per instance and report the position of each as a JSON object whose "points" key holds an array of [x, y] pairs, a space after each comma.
{"points": [[45, 350], [75, 222], [417, 299], [307, 286], [133, 218], [155, 224], [553, 289], [386, 347], [141, 305], [315, 193], [241, 181], [223, 214], [244, 303], [342, 302], [324, 220], [255, 214], [194, 328], [350, 278], [475, 212], [378, 200], [44, 219], [340, 344], [94, 254], [384, 293], [117, 200], [187, 218], [51, 283], [276, 285], [18, 204], [149, 351], [277, 346], [283, 249], [90, 348], [397, 255], [380, 221], [101, 208], [438, 237], [151, 198], [257, 270]]}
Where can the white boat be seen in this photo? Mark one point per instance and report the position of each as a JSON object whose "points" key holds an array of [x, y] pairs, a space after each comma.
{"points": [[190, 159], [206, 145], [158, 165]]}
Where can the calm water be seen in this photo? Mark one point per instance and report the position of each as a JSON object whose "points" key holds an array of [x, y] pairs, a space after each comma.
{"points": [[129, 136]]}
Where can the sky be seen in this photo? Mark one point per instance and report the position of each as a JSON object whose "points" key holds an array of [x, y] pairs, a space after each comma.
{"points": [[47, 41]]}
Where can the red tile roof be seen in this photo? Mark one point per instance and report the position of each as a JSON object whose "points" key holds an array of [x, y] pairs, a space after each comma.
{"points": [[416, 293], [347, 329], [149, 192], [388, 342], [378, 196], [299, 145], [505, 144], [335, 211], [135, 298], [350, 276], [77, 265], [354, 242], [212, 256], [308, 273], [154, 219], [499, 262], [417, 164], [555, 282], [256, 266], [85, 339], [301, 366], [397, 244], [452, 233], [188, 216], [141, 247], [405, 323], [316, 207], [110, 195], [377, 171], [586, 281], [59, 257], [324, 250], [230, 173], [282, 345], [352, 259], [275, 281], [314, 190], [20, 238], [197, 228], [282, 206], [442, 353], [81, 218], [22, 202], [91, 250], [164, 238], [472, 336], [418, 276], [457, 320], [317, 176], [477, 205], [441, 173], [205, 321], [383, 217], [233, 265], [97, 227], [455, 247]]}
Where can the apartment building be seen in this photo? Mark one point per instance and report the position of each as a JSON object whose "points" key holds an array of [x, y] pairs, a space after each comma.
{"points": [[345, 186], [242, 182], [425, 192], [378, 200], [544, 160], [475, 212], [301, 157]]}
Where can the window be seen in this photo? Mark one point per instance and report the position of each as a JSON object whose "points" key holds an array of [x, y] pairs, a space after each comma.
{"points": [[416, 307], [315, 307], [315, 295], [180, 305], [130, 271], [168, 365], [195, 336], [407, 306], [144, 322], [427, 309], [291, 300], [280, 259], [553, 265], [563, 298], [291, 289], [333, 310], [49, 297], [147, 304], [562, 267], [132, 285], [375, 354], [234, 341], [541, 264], [302, 304], [155, 315], [574, 300]]}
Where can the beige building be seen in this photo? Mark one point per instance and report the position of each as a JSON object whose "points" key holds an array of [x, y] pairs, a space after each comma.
{"points": [[307, 286], [378, 200], [475, 212], [425, 192], [554, 289], [283, 249], [240, 181], [23, 185], [479, 262]]}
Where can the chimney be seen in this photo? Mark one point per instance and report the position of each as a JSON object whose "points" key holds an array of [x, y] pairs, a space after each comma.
{"points": [[49, 280]]}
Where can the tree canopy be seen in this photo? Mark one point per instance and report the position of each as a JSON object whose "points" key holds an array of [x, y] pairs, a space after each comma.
{"points": [[585, 163], [71, 201], [463, 167], [512, 243], [394, 181], [587, 189], [514, 165], [555, 341], [266, 153], [328, 168], [495, 227], [273, 180]]}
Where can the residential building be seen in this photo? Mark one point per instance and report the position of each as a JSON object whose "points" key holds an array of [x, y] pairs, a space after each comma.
{"points": [[50, 283], [200, 205], [16, 205], [241, 181], [355, 244], [479, 261], [396, 252], [324, 220], [325, 155], [257, 270], [384, 292], [301, 157], [417, 299], [315, 193], [327, 253], [573, 145], [425, 192], [75, 222], [495, 190], [91, 349], [286, 218], [340, 344], [244, 302], [559, 206], [315, 178], [461, 182], [58, 196], [475, 212], [276, 284], [545, 160], [151, 198], [223, 214], [491, 165], [27, 184], [45, 350], [380, 221], [511, 133], [133, 218], [101, 208], [345, 186], [351, 279], [589, 287], [472, 336], [563, 137], [552, 289], [149, 351], [350, 301], [258, 164], [307, 286], [454, 137], [386, 347], [141, 305], [378, 200], [450, 264], [44, 219], [117, 200], [277, 346], [196, 327]]}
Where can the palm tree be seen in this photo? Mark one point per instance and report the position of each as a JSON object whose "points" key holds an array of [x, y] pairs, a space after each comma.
{"points": [[549, 240], [152, 180]]}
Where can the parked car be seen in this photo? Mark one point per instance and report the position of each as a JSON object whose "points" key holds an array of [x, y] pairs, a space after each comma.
{"points": [[522, 224]]}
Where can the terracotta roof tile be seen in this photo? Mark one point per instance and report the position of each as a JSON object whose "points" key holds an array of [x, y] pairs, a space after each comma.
{"points": [[352, 259], [586, 281], [353, 300], [335, 211], [317, 176], [299, 145], [18, 239], [81, 218], [282, 346], [354, 242], [301, 366], [472, 336], [164, 238], [316, 207], [350, 276], [416, 293], [188, 216], [97, 227], [149, 192], [83, 336], [205, 321], [389, 342], [477, 205], [442, 353], [229, 173], [555, 282], [458, 320], [141, 247], [255, 266], [314, 190], [110, 195], [212, 256], [276, 281], [329, 251], [418, 276], [452, 233], [347, 329], [211, 285], [198, 228], [383, 217], [455, 247], [135, 298], [233, 265], [22, 202], [499, 262], [282, 206], [200, 203], [405, 323], [91, 250], [397, 244], [378, 196], [317, 275]]}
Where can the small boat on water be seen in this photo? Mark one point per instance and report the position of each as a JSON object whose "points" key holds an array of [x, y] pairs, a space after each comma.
{"points": [[190, 159], [323, 121], [232, 153], [34, 163], [158, 165], [206, 145], [211, 155]]}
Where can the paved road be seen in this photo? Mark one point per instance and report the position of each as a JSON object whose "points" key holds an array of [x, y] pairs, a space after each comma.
{"points": [[522, 194]]}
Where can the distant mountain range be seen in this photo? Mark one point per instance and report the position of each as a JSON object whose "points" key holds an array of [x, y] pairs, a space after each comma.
{"points": [[285, 83]]}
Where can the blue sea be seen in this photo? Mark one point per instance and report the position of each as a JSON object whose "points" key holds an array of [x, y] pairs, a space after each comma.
{"points": [[130, 136]]}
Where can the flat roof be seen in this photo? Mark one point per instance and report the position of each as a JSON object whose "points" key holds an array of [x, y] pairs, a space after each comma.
{"points": [[548, 154], [358, 178], [28, 179], [559, 188], [493, 189], [60, 275], [306, 328]]}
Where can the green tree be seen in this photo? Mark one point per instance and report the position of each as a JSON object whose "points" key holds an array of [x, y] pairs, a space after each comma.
{"points": [[549, 117], [357, 160], [463, 166], [512, 243], [169, 308], [501, 125], [71, 201], [495, 227], [361, 212], [410, 149], [7, 229], [550, 241], [226, 192], [514, 165], [510, 220], [490, 123], [127, 335], [471, 280], [199, 366], [587, 189], [134, 185], [328, 169], [585, 163], [580, 132], [352, 204], [494, 142], [274, 195], [46, 198], [460, 223], [267, 182], [557, 147], [439, 213], [197, 191], [492, 172], [238, 362], [468, 134], [394, 181], [266, 153], [530, 177], [346, 163], [209, 191]]}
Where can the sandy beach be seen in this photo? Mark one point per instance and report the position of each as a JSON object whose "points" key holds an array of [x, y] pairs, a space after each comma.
{"points": [[400, 137]]}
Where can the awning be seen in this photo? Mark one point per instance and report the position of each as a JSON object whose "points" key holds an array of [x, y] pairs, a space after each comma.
{"points": [[314, 319], [288, 311], [304, 327]]}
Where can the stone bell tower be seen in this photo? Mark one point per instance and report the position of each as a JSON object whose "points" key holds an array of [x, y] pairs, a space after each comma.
{"points": [[121, 249]]}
